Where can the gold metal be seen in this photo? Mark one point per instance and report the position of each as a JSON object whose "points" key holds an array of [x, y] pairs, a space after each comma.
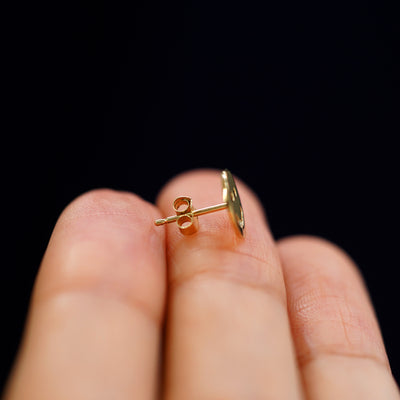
{"points": [[186, 215]]}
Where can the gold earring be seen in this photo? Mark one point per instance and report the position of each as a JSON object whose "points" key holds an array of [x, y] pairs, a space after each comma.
{"points": [[186, 215]]}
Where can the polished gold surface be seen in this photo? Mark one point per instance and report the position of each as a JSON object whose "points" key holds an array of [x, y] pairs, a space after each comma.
{"points": [[231, 197], [186, 215]]}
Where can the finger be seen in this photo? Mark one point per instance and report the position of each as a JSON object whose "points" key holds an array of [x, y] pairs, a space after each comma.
{"points": [[338, 342], [228, 333], [94, 325]]}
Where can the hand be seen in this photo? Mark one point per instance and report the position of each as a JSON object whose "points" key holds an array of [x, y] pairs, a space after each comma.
{"points": [[244, 318]]}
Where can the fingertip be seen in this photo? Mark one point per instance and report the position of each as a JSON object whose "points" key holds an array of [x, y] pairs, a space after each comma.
{"points": [[302, 246], [105, 202], [329, 305], [304, 240], [95, 242]]}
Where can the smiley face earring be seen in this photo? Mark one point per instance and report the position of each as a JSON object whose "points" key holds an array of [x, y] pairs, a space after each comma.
{"points": [[186, 215]]}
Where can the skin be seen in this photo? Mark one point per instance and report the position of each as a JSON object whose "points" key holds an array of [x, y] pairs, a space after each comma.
{"points": [[123, 309]]}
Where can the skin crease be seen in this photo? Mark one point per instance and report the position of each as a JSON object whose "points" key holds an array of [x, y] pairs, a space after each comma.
{"points": [[336, 333], [244, 318]]}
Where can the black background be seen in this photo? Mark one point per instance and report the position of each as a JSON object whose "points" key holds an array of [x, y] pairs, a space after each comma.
{"points": [[299, 99]]}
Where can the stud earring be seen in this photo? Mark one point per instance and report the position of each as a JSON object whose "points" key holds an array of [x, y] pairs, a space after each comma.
{"points": [[186, 215]]}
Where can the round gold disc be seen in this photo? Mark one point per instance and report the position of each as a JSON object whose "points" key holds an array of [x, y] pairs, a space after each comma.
{"points": [[230, 196]]}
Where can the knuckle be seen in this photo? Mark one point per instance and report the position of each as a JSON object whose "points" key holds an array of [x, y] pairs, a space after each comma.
{"points": [[207, 259]]}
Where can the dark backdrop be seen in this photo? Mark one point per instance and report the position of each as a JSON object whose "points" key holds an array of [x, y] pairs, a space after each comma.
{"points": [[299, 99]]}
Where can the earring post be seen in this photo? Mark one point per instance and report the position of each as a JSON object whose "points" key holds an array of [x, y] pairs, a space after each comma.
{"points": [[194, 213], [210, 209]]}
